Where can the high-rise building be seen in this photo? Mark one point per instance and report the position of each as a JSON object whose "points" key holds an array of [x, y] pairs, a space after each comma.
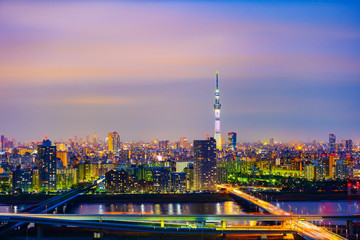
{"points": [[320, 172], [348, 145], [164, 144], [22, 180], [223, 142], [95, 139], [341, 172], [117, 181], [162, 179], [113, 142], [183, 142], [66, 178], [63, 156], [232, 140], [310, 172], [2, 142], [330, 166], [47, 166], [205, 164], [217, 106], [178, 182], [332, 142], [189, 170], [60, 147], [222, 173]]}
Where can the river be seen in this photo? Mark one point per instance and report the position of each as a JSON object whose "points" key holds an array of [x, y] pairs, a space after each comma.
{"points": [[216, 208], [326, 207]]}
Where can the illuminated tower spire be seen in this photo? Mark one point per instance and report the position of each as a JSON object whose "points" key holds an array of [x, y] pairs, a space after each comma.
{"points": [[217, 107]]}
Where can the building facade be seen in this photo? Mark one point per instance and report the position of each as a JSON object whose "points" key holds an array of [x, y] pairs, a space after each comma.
{"points": [[332, 142], [47, 166], [232, 140], [113, 142], [205, 164]]}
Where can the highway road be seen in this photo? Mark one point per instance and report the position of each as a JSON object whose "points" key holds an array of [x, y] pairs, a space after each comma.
{"points": [[142, 226], [151, 217], [303, 228]]}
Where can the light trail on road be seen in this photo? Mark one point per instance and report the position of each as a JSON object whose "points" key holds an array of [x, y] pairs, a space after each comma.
{"points": [[303, 228]]}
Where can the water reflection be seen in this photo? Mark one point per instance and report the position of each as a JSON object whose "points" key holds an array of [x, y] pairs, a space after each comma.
{"points": [[178, 208], [217, 208], [171, 209], [13, 208], [335, 207], [101, 210]]}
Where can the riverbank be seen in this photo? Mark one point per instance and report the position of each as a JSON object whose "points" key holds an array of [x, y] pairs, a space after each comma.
{"points": [[24, 198], [121, 198]]}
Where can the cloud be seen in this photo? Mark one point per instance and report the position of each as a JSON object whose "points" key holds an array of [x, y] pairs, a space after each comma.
{"points": [[104, 100], [63, 42], [147, 68]]}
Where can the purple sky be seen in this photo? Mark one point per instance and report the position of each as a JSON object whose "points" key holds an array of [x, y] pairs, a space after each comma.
{"points": [[147, 69]]}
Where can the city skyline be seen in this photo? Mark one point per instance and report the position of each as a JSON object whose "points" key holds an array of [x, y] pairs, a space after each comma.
{"points": [[288, 71], [179, 119]]}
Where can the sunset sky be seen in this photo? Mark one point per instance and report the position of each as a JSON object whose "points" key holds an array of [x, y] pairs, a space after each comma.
{"points": [[146, 69]]}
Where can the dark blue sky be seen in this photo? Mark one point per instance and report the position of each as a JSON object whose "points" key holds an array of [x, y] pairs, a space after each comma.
{"points": [[288, 70]]}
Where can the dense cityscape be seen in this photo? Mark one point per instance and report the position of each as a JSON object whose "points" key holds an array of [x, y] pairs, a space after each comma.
{"points": [[172, 120], [163, 166]]}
